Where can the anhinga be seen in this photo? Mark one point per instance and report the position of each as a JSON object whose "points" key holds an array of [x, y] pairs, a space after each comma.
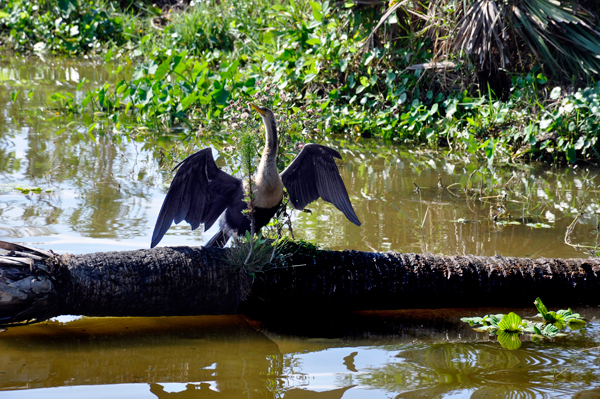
{"points": [[200, 191]]}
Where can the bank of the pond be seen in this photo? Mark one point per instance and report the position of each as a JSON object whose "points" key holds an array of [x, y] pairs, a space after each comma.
{"points": [[318, 66]]}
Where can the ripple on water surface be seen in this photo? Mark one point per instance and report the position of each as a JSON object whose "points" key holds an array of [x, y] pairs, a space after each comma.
{"points": [[403, 354]]}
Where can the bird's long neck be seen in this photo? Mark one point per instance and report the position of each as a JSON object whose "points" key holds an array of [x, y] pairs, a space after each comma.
{"points": [[272, 143], [269, 188]]}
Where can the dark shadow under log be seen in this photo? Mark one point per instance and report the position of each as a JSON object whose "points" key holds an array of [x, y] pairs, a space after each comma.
{"points": [[170, 281]]}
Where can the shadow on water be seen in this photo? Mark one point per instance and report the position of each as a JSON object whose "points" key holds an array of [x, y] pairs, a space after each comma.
{"points": [[402, 354]]}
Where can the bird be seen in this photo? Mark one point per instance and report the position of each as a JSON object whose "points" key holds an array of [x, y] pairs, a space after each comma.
{"points": [[201, 192]]}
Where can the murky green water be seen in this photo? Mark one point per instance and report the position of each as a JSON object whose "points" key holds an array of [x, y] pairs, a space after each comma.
{"points": [[391, 354], [104, 194]]}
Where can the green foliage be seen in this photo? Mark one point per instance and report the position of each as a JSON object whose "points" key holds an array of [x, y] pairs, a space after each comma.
{"points": [[508, 327], [301, 247], [560, 318], [510, 323], [532, 122], [60, 26], [164, 92], [311, 63], [211, 29], [486, 323], [248, 150], [263, 253]]}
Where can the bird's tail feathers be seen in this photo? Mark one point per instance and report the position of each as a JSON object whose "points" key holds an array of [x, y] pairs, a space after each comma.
{"points": [[218, 240]]}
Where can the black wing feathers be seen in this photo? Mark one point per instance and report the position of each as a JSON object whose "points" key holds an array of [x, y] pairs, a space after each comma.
{"points": [[199, 193], [313, 174]]}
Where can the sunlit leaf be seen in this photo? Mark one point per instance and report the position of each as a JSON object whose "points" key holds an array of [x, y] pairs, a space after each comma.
{"points": [[580, 143], [550, 330], [510, 322], [576, 324], [316, 9], [555, 93], [541, 308], [187, 101], [310, 77]]}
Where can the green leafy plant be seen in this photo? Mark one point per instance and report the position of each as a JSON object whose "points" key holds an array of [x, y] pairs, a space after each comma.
{"points": [[69, 26], [511, 323], [509, 327], [560, 318], [314, 61], [252, 255]]}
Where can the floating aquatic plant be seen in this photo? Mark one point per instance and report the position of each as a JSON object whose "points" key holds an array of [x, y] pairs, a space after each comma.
{"points": [[509, 327]]}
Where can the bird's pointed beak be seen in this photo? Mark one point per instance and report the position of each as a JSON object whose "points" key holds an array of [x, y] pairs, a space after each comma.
{"points": [[258, 109]]}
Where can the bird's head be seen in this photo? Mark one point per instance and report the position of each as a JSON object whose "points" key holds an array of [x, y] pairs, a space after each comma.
{"points": [[268, 118], [264, 112]]}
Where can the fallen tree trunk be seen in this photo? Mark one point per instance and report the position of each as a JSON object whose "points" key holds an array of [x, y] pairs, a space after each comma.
{"points": [[168, 281]]}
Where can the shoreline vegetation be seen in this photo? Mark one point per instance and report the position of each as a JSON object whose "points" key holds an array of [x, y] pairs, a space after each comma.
{"points": [[498, 81]]}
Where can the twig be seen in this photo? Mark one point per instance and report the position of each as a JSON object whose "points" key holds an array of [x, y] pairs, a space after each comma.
{"points": [[385, 16], [565, 369], [571, 227], [424, 217], [453, 184], [590, 349]]}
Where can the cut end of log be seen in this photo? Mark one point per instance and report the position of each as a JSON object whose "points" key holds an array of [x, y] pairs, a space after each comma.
{"points": [[27, 293]]}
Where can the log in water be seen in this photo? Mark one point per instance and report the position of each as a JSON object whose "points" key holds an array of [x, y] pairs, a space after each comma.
{"points": [[173, 281]]}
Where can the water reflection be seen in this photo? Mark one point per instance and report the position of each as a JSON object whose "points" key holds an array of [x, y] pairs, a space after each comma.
{"points": [[229, 356], [222, 350], [482, 369]]}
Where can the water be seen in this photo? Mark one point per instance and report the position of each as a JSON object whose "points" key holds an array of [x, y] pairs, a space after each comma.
{"points": [[104, 194], [391, 354]]}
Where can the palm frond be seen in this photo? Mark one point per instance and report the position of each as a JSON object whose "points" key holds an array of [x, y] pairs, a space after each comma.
{"points": [[480, 30], [561, 35]]}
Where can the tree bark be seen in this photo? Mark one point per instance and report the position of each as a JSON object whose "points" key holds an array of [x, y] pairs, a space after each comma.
{"points": [[172, 281]]}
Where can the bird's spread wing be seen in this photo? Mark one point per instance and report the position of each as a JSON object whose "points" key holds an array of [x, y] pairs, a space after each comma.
{"points": [[313, 174], [199, 193]]}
